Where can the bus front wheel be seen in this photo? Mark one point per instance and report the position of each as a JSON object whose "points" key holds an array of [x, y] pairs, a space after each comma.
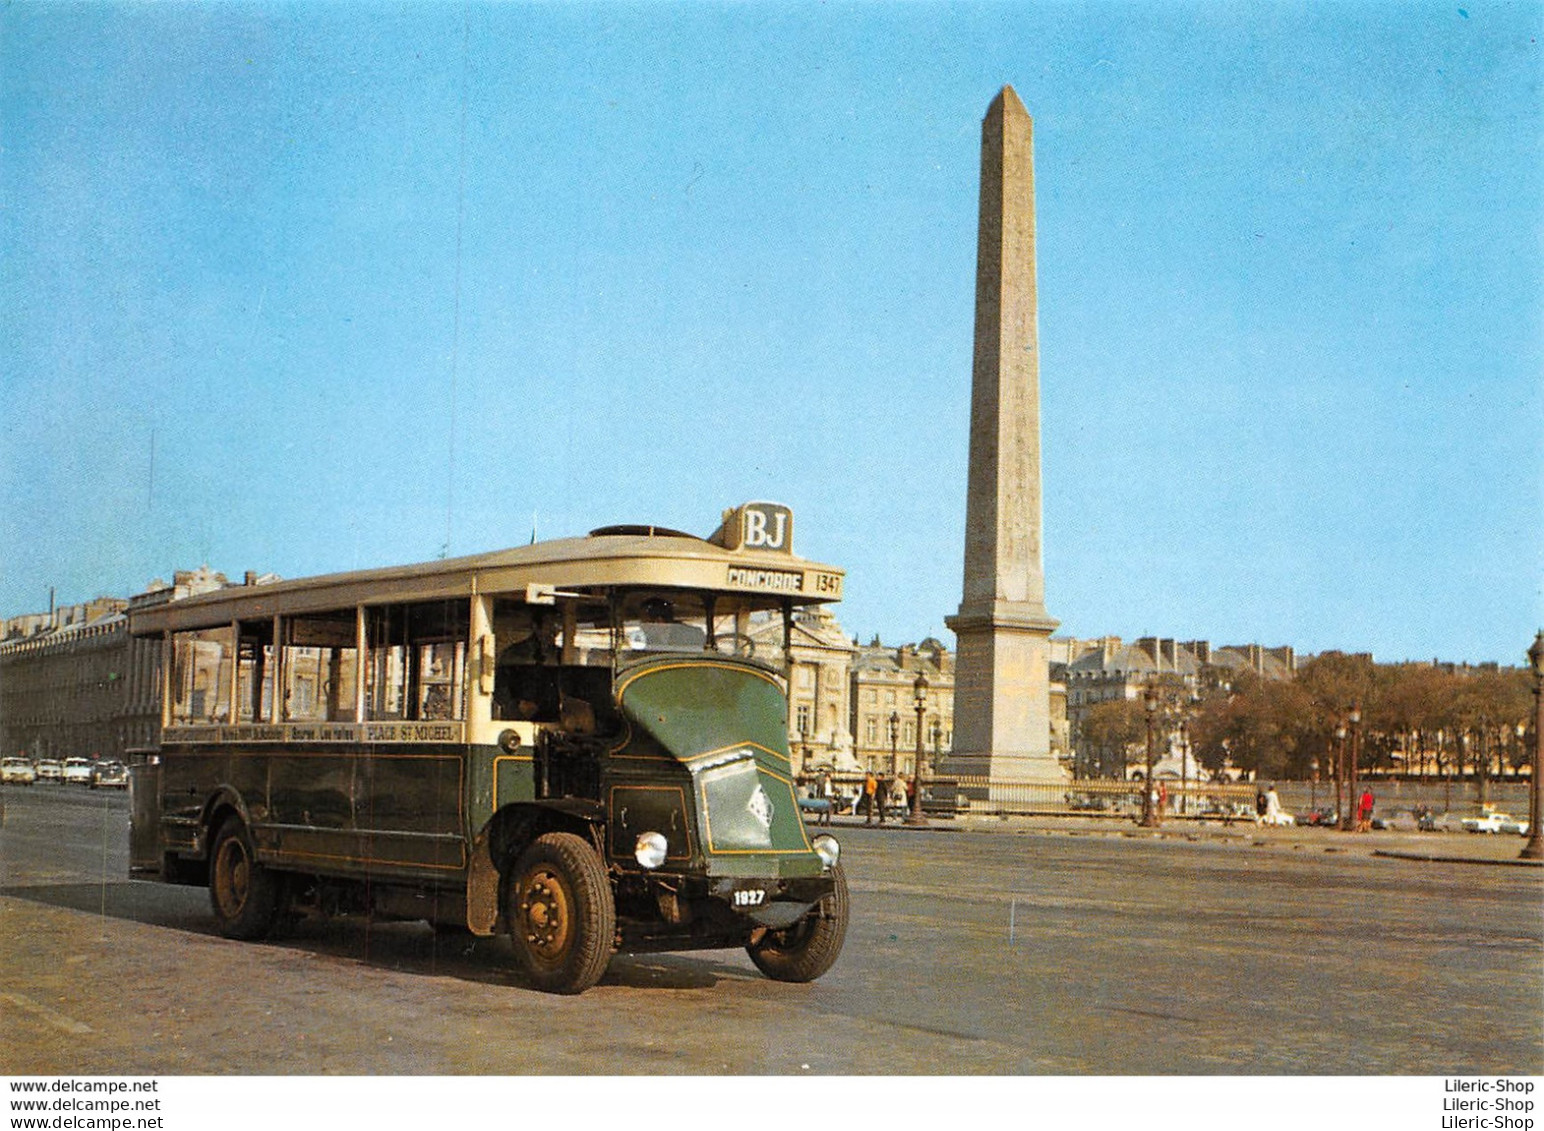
{"points": [[560, 913], [806, 950], [245, 895]]}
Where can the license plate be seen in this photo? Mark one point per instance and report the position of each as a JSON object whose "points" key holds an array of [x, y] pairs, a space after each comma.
{"points": [[748, 897]]}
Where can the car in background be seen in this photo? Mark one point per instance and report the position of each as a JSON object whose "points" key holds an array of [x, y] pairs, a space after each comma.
{"points": [[77, 771], [1494, 821], [109, 775], [18, 771], [50, 769]]}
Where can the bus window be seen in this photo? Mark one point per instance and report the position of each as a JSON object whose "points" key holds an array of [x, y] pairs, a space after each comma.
{"points": [[201, 675], [254, 686], [416, 663], [320, 667], [663, 622]]}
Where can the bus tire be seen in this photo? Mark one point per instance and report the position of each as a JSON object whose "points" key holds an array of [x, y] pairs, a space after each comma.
{"points": [[244, 894], [806, 950], [561, 916]]}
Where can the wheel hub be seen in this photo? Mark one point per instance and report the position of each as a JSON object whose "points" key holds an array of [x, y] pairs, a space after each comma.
{"points": [[544, 913]]}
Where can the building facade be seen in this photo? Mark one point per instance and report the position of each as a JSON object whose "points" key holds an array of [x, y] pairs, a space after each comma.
{"points": [[74, 683], [1106, 668], [885, 700]]}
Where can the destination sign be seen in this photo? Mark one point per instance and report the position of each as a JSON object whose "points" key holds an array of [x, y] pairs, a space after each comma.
{"points": [[773, 580], [383, 731]]}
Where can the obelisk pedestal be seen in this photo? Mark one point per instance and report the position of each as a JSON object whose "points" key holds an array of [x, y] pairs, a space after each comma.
{"points": [[1002, 713]]}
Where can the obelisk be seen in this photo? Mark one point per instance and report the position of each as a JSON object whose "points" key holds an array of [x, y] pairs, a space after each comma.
{"points": [[1002, 711]]}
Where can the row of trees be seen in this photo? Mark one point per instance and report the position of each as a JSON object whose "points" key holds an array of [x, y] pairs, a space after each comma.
{"points": [[1415, 719]]}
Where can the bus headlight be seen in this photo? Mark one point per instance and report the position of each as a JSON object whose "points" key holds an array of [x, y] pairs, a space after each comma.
{"points": [[650, 850], [827, 849]]}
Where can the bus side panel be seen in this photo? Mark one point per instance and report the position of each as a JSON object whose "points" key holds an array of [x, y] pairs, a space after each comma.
{"points": [[356, 810], [410, 810]]}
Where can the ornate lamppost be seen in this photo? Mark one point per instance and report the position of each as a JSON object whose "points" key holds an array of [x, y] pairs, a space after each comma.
{"points": [[1184, 763], [1313, 783], [1150, 815], [895, 734], [1339, 767], [1534, 849], [919, 689], [1348, 817]]}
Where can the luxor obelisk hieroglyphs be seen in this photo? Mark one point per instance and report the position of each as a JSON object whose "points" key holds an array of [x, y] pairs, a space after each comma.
{"points": [[1002, 715]]}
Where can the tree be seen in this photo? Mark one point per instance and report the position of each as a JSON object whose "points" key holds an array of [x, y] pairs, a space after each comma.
{"points": [[1258, 727], [1109, 729]]}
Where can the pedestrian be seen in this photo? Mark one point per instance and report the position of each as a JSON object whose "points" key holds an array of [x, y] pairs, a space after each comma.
{"points": [[825, 792], [1364, 812], [881, 795], [870, 788], [898, 794], [1274, 814], [1261, 804]]}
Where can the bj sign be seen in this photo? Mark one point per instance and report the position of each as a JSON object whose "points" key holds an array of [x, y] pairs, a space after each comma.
{"points": [[764, 526]]}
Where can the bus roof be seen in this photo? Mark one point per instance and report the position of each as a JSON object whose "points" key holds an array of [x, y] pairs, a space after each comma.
{"points": [[643, 557]]}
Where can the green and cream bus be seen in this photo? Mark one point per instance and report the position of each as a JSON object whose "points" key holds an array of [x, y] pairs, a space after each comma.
{"points": [[571, 742]]}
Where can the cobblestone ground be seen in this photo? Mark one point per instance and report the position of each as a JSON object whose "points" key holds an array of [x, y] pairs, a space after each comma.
{"points": [[1003, 947]]}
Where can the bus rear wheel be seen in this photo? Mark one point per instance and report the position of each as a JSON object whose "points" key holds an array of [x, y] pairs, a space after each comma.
{"points": [[806, 950], [244, 894], [560, 912]]}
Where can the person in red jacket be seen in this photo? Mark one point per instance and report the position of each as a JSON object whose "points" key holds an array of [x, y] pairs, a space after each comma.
{"points": [[1364, 812]]}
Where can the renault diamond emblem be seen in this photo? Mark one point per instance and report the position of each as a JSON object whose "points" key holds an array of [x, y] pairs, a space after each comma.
{"points": [[760, 806]]}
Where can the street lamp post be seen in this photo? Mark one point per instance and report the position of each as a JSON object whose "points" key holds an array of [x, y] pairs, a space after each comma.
{"points": [[1534, 849], [1348, 823], [1150, 816], [1313, 783], [919, 688], [1184, 764], [895, 734], [1339, 767]]}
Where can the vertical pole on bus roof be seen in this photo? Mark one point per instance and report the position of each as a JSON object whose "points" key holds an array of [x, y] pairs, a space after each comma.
{"points": [[709, 604], [233, 685], [481, 658], [277, 673], [614, 614], [166, 678], [361, 642], [280, 672]]}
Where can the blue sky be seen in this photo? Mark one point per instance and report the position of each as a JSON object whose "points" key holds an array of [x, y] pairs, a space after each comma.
{"points": [[376, 281]]}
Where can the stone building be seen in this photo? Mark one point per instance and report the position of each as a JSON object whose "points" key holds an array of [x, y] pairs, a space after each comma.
{"points": [[74, 683], [884, 704], [1103, 669]]}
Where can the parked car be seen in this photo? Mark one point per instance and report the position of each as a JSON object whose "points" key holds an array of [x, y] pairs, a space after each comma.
{"points": [[1494, 821], [50, 769], [77, 771], [109, 775], [18, 771]]}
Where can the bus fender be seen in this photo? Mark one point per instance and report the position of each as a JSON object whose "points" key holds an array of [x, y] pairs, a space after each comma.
{"points": [[224, 797], [482, 889], [505, 834]]}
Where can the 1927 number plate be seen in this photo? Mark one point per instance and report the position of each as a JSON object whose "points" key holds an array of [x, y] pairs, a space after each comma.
{"points": [[749, 897]]}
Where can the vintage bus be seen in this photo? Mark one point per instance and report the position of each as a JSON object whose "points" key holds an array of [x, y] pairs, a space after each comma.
{"points": [[575, 742]]}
